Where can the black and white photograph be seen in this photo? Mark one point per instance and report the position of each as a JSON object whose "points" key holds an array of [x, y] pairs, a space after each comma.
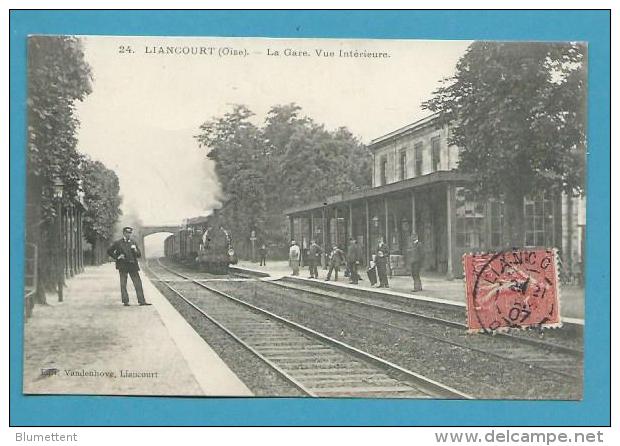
{"points": [[278, 217]]}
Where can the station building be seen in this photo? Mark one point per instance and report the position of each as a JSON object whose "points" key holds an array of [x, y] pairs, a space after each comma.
{"points": [[416, 188]]}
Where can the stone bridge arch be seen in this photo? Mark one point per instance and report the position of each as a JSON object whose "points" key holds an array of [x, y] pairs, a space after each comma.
{"points": [[145, 231]]}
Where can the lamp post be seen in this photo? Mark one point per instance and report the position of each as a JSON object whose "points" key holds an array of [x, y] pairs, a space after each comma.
{"points": [[58, 186]]}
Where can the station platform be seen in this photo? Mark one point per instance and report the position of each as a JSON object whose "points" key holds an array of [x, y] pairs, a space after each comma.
{"points": [[435, 287], [91, 344]]}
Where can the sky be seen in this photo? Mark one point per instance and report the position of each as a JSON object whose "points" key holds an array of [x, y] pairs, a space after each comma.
{"points": [[146, 107]]}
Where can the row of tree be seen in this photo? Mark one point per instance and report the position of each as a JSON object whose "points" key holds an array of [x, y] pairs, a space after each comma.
{"points": [[288, 160], [58, 76]]}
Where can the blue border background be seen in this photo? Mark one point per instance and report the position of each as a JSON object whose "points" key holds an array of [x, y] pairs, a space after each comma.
{"points": [[590, 26]]}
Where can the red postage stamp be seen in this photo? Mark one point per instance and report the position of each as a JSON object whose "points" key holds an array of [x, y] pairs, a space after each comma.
{"points": [[512, 289]]}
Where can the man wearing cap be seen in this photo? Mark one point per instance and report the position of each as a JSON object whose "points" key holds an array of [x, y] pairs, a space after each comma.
{"points": [[126, 254], [416, 256]]}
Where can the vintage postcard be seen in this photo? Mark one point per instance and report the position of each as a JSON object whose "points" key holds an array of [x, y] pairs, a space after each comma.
{"points": [[333, 218]]}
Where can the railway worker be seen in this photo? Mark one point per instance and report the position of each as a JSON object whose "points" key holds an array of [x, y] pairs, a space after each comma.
{"points": [[294, 257], [416, 257], [382, 257], [314, 259], [354, 258], [126, 253], [336, 260], [262, 252]]}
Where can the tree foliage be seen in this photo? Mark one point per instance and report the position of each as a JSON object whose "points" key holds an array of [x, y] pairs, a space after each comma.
{"points": [[289, 160], [58, 76], [102, 200], [517, 114]]}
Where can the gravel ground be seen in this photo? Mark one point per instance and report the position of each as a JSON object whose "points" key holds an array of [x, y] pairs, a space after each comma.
{"points": [[259, 378], [481, 375], [570, 336], [478, 374]]}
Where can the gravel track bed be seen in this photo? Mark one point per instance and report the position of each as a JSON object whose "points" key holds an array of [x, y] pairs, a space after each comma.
{"points": [[568, 336], [234, 315], [305, 311], [259, 378], [501, 345], [475, 373]]}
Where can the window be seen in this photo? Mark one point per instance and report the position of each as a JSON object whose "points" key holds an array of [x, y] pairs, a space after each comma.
{"points": [[538, 215], [403, 165], [435, 153], [469, 220], [417, 150], [383, 170], [496, 214]]}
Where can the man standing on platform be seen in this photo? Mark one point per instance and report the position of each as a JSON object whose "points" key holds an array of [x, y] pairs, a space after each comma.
{"points": [[262, 253], [416, 256], [354, 258], [336, 259], [382, 260], [314, 258], [294, 257], [126, 254]]}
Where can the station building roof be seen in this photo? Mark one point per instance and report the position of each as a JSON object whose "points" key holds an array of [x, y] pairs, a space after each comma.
{"points": [[404, 131], [442, 176]]}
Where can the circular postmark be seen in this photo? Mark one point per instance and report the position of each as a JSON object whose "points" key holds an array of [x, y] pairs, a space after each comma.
{"points": [[512, 289]]}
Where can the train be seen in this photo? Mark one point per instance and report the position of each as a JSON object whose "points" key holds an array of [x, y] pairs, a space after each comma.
{"points": [[204, 243]]}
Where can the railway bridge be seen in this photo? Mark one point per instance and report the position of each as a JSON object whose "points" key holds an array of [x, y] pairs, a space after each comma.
{"points": [[143, 231]]}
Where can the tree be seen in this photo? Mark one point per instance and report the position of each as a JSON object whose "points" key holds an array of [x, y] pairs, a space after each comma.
{"points": [[517, 113], [313, 162], [236, 145], [288, 161], [102, 200], [57, 76]]}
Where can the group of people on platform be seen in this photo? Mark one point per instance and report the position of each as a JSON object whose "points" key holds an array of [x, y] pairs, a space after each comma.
{"points": [[353, 258]]}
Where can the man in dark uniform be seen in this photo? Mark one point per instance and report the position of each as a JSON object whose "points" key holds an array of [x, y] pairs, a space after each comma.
{"points": [[354, 258], [314, 258], [262, 252], [381, 260], [416, 256], [126, 254]]}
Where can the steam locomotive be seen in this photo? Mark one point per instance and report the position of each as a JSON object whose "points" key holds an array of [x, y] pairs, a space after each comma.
{"points": [[203, 243]]}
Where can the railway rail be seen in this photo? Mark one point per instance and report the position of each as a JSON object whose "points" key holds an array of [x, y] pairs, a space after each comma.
{"points": [[561, 360], [535, 353], [314, 363]]}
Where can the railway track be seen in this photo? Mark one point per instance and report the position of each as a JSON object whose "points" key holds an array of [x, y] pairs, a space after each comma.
{"points": [[314, 363], [534, 353], [560, 360]]}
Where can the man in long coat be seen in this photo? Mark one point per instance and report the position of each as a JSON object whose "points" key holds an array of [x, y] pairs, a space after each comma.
{"points": [[416, 257], [314, 259], [382, 259], [354, 259], [126, 254]]}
